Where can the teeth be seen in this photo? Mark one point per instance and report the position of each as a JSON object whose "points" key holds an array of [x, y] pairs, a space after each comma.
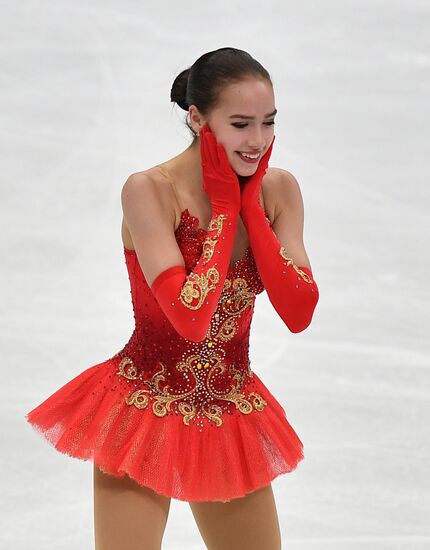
{"points": [[250, 156]]}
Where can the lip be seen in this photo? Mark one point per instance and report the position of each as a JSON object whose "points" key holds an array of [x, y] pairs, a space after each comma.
{"points": [[248, 160]]}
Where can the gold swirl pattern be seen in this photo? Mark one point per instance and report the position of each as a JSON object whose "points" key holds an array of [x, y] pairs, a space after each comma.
{"points": [[197, 287], [127, 369], [302, 274], [233, 306], [208, 250], [207, 386], [215, 224], [201, 388]]}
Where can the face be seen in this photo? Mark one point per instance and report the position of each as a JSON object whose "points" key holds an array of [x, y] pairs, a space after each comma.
{"points": [[253, 130]]}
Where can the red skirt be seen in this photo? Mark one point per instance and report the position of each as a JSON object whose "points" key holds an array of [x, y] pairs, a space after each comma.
{"points": [[88, 418]]}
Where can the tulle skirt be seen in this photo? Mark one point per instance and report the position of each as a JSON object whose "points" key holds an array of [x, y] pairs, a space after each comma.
{"points": [[88, 418]]}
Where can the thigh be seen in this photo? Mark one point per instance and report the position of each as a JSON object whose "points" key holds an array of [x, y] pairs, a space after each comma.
{"points": [[127, 515], [249, 522]]}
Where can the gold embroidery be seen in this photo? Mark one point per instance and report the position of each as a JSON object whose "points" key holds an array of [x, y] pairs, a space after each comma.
{"points": [[208, 385], [202, 387], [303, 275], [234, 306], [131, 372], [211, 240], [227, 330], [208, 250], [139, 399], [259, 403], [204, 284], [217, 223]]}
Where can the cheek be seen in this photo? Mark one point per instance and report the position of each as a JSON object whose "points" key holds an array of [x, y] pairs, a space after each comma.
{"points": [[234, 159], [231, 142], [234, 146], [231, 152], [231, 146]]}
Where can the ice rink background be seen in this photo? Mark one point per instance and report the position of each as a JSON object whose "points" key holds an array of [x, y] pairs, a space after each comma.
{"points": [[85, 101]]}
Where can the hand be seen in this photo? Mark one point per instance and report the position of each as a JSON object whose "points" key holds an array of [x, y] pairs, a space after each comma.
{"points": [[251, 189], [220, 181]]}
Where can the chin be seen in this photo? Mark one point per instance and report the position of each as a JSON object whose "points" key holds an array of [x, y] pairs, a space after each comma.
{"points": [[244, 173]]}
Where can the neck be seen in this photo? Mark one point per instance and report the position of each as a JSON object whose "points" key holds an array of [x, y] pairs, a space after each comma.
{"points": [[192, 161], [191, 166]]}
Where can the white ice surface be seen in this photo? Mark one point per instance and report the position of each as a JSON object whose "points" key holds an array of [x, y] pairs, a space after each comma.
{"points": [[85, 101]]}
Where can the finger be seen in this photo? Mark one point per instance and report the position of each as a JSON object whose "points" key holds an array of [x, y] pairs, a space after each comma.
{"points": [[264, 162], [269, 150], [207, 128], [216, 156], [206, 134], [209, 144], [223, 159], [204, 129]]}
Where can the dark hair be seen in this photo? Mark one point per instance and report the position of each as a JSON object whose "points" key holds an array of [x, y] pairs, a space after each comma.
{"points": [[201, 83]]}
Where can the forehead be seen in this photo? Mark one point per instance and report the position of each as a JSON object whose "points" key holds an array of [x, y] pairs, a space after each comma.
{"points": [[250, 96]]}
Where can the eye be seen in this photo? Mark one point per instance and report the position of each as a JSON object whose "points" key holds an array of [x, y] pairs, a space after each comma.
{"points": [[242, 125]]}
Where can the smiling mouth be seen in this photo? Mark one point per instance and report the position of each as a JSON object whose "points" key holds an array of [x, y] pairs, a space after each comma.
{"points": [[248, 159]]}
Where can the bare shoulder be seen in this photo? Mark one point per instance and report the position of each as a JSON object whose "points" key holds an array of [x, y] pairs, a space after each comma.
{"points": [[146, 182], [136, 183], [281, 191], [141, 191]]}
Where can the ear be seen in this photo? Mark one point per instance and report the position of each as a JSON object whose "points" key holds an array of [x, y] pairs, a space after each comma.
{"points": [[197, 121]]}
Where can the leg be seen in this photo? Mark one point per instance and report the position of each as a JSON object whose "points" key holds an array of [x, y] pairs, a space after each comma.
{"points": [[249, 522], [127, 515]]}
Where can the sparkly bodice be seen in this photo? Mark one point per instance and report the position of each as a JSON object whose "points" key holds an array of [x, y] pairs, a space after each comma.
{"points": [[157, 352], [242, 284], [188, 420]]}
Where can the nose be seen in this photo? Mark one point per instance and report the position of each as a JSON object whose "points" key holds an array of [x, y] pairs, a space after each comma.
{"points": [[256, 139]]}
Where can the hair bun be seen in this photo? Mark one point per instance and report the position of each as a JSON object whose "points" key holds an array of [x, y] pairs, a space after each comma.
{"points": [[178, 93]]}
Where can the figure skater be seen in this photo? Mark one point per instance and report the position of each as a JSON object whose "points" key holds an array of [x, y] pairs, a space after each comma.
{"points": [[179, 412]]}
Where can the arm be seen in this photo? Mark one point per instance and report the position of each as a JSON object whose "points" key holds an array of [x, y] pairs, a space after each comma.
{"points": [[280, 254], [187, 300]]}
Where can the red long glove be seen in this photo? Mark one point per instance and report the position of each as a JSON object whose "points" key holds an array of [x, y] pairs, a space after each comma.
{"points": [[292, 290], [189, 301]]}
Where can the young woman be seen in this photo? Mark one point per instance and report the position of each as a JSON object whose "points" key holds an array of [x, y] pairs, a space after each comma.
{"points": [[178, 412]]}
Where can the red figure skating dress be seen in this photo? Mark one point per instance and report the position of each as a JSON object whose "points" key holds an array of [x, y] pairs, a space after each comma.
{"points": [[190, 420]]}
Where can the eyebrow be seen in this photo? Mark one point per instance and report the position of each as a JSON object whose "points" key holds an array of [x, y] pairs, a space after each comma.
{"points": [[252, 117]]}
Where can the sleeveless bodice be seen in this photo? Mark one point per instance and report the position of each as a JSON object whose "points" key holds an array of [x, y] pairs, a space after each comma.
{"points": [[156, 351], [190, 420]]}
